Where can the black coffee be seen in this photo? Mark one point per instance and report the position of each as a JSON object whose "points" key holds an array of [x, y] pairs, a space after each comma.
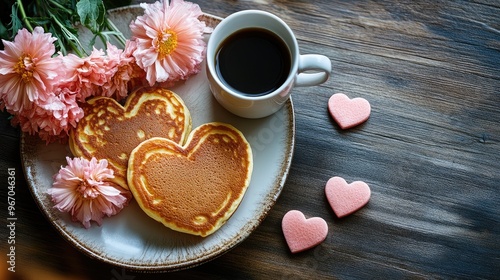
{"points": [[253, 61]]}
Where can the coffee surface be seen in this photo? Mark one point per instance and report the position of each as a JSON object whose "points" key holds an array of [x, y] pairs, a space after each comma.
{"points": [[253, 61]]}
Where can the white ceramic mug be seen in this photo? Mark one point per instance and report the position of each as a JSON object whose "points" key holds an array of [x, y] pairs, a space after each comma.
{"points": [[305, 70]]}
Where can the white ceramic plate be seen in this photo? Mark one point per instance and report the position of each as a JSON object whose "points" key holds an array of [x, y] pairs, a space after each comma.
{"points": [[133, 240]]}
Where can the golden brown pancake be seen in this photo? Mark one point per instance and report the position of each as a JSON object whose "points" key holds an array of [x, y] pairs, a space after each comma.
{"points": [[111, 131], [193, 188]]}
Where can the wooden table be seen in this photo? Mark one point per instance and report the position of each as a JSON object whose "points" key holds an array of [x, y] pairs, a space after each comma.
{"points": [[430, 152]]}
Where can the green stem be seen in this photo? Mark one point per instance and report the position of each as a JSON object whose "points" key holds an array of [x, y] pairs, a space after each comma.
{"points": [[23, 14], [61, 7], [119, 36], [73, 41], [103, 39], [77, 50]]}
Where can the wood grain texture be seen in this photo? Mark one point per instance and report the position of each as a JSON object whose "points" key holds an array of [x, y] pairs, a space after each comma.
{"points": [[430, 152]]}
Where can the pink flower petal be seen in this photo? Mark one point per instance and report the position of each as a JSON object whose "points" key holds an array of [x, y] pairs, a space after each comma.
{"points": [[162, 60], [81, 190]]}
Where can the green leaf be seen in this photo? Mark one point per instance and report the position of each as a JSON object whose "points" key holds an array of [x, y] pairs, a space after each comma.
{"points": [[60, 42], [3, 32], [92, 14], [15, 23]]}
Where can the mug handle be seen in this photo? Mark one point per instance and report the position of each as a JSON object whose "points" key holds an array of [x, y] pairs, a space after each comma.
{"points": [[320, 64]]}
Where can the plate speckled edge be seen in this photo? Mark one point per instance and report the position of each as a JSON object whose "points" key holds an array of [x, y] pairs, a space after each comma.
{"points": [[32, 149]]}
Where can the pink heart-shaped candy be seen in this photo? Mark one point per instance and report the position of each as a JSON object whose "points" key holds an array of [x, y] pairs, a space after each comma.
{"points": [[345, 198], [348, 112], [301, 233]]}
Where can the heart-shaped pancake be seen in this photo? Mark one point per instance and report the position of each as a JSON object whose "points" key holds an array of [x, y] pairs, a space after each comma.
{"points": [[193, 188], [111, 131]]}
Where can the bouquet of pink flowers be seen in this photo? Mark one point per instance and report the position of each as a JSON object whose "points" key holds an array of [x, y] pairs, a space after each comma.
{"points": [[43, 88]]}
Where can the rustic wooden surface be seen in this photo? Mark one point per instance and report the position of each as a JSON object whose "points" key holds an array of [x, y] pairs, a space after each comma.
{"points": [[430, 153]]}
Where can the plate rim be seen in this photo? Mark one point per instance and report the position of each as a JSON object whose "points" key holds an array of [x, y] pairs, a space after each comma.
{"points": [[26, 146]]}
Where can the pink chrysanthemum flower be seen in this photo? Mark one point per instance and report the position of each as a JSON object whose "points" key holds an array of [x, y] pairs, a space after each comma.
{"points": [[51, 119], [127, 76], [111, 74], [81, 189], [27, 69], [90, 73], [169, 37]]}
